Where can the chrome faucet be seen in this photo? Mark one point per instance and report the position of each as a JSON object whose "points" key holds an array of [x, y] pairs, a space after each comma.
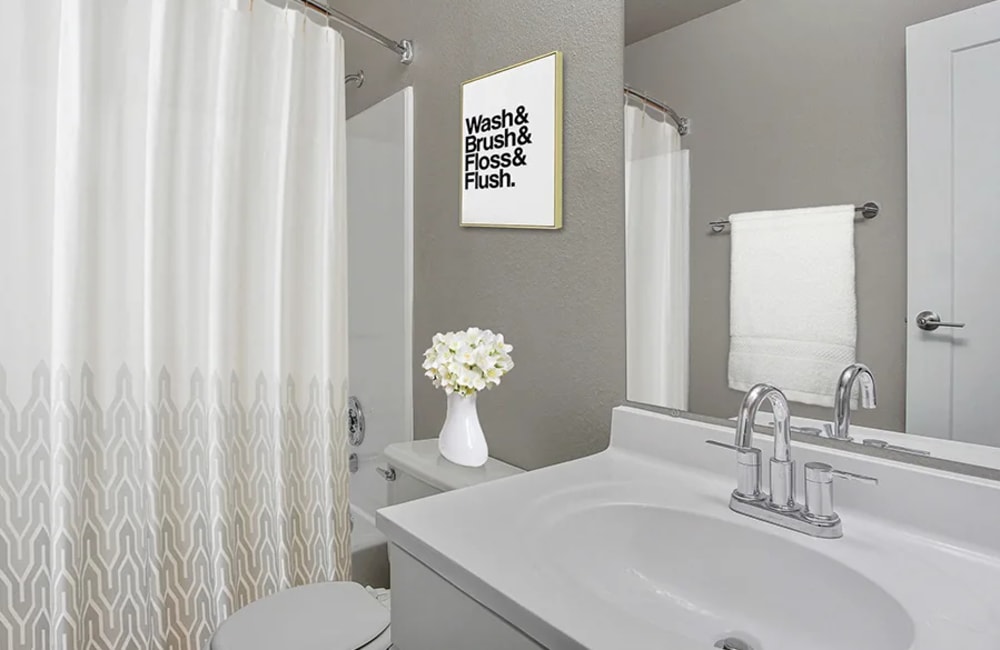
{"points": [[817, 517], [842, 399], [782, 467]]}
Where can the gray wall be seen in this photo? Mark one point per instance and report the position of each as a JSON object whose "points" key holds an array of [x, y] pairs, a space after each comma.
{"points": [[794, 104], [557, 296]]}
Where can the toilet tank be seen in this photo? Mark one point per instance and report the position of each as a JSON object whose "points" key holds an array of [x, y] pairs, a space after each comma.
{"points": [[421, 471]]}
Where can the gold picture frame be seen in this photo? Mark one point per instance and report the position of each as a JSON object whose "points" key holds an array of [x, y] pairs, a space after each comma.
{"points": [[557, 135]]}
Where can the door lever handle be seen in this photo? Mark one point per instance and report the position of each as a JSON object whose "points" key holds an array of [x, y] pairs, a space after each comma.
{"points": [[929, 321]]}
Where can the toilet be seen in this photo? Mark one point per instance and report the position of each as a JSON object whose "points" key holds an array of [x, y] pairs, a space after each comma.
{"points": [[346, 615]]}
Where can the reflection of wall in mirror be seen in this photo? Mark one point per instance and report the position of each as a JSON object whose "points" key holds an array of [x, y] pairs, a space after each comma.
{"points": [[794, 104]]}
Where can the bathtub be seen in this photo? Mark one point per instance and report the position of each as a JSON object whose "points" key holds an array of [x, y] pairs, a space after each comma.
{"points": [[369, 549]]}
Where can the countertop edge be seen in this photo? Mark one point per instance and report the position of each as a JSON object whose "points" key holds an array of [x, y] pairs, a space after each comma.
{"points": [[529, 623]]}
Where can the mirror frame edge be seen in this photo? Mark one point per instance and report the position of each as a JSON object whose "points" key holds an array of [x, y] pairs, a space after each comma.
{"points": [[930, 462]]}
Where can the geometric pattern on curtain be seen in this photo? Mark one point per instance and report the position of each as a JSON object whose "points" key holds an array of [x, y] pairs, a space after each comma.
{"points": [[80, 554]]}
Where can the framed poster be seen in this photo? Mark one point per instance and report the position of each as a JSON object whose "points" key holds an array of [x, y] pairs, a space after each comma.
{"points": [[512, 146]]}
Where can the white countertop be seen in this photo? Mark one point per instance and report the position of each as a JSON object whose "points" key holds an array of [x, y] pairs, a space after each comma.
{"points": [[919, 535]]}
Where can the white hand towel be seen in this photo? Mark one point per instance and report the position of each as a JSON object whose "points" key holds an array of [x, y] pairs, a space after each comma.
{"points": [[792, 306]]}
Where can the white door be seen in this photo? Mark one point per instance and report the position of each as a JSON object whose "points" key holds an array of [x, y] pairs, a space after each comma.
{"points": [[953, 224], [380, 285]]}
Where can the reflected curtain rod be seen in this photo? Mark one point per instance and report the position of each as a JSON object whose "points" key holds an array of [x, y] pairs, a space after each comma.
{"points": [[403, 48], [683, 124]]}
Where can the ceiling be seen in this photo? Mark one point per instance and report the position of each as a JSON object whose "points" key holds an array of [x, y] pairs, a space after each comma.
{"points": [[644, 18]]}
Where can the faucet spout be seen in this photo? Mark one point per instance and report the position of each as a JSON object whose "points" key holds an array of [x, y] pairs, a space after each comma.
{"points": [[782, 495], [817, 517], [856, 372], [752, 402]]}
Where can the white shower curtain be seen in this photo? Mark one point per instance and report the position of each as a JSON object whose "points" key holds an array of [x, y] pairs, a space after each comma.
{"points": [[657, 273], [173, 344]]}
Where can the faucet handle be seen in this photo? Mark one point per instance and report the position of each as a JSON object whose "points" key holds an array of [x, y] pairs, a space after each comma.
{"points": [[819, 490], [748, 470]]}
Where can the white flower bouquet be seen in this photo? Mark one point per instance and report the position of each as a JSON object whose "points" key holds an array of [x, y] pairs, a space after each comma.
{"points": [[467, 362]]}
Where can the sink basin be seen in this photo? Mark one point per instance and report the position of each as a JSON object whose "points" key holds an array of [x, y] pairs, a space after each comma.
{"points": [[709, 579]]}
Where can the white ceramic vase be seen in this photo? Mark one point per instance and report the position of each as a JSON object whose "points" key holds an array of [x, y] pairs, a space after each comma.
{"points": [[462, 440]]}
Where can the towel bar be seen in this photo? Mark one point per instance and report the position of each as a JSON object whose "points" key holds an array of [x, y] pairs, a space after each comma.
{"points": [[869, 210]]}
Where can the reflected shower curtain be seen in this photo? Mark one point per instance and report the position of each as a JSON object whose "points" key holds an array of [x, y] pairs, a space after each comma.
{"points": [[657, 273], [173, 344]]}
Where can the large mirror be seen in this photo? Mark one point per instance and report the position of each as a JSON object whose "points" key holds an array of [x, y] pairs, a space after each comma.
{"points": [[810, 185]]}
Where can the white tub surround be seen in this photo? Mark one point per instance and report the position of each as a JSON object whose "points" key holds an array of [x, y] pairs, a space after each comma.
{"points": [[637, 547], [380, 293]]}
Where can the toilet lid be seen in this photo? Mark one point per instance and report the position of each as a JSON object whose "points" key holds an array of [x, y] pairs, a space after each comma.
{"points": [[323, 616]]}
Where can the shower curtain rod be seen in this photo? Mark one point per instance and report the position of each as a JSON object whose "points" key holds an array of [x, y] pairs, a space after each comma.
{"points": [[403, 48], [682, 123]]}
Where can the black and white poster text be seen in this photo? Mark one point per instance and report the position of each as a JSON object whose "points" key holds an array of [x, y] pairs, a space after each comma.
{"points": [[511, 146]]}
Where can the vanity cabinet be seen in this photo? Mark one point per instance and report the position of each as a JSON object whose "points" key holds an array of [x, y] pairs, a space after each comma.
{"points": [[429, 613]]}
